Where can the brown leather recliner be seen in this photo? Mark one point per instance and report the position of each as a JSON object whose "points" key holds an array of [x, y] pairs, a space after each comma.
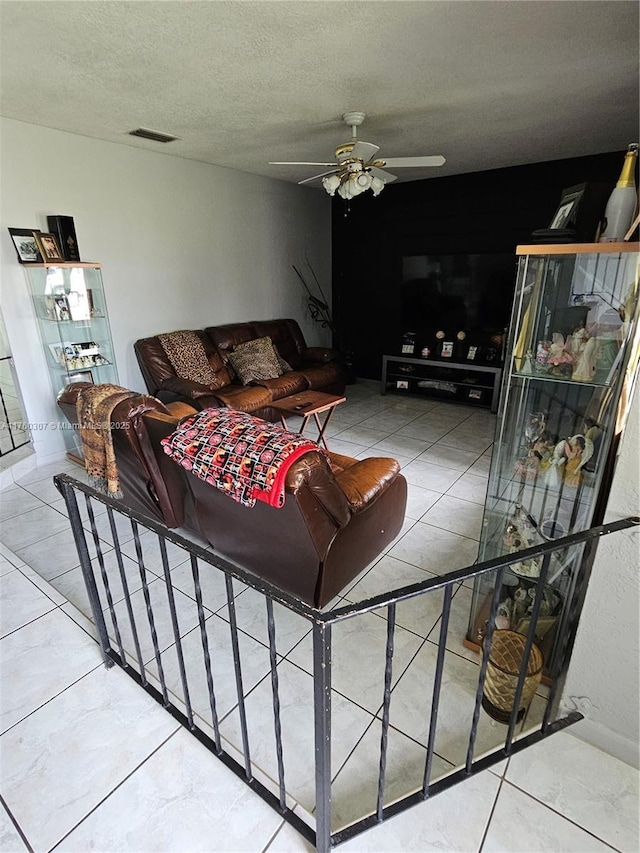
{"points": [[336, 519]]}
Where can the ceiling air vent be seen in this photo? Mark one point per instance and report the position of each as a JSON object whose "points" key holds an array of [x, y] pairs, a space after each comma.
{"points": [[154, 135]]}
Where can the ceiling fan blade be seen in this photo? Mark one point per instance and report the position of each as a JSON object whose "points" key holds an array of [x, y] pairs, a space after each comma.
{"points": [[376, 172], [299, 163], [321, 175], [400, 162], [364, 151]]}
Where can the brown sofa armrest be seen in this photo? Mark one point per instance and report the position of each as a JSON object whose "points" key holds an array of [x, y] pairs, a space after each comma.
{"points": [[321, 354], [185, 388], [180, 410], [365, 481]]}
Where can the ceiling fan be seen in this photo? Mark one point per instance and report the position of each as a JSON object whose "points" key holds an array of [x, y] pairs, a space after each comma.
{"points": [[357, 168]]}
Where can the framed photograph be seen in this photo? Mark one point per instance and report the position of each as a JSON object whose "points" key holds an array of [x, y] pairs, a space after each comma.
{"points": [[475, 394], [402, 384], [407, 349], [472, 353], [26, 247], [48, 247], [81, 376], [566, 213], [447, 349], [61, 307]]}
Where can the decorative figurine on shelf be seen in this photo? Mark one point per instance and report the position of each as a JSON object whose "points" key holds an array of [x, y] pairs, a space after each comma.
{"points": [[537, 450], [585, 366], [527, 364], [542, 354], [560, 357], [568, 459], [520, 533]]}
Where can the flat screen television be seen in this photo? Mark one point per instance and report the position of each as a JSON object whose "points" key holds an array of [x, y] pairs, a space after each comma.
{"points": [[470, 292]]}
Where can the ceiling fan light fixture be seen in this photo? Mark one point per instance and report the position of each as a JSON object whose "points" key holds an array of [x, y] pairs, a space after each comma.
{"points": [[331, 184], [377, 185]]}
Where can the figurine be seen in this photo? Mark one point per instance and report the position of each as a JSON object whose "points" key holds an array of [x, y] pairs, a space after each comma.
{"points": [[586, 363], [569, 457], [560, 357]]}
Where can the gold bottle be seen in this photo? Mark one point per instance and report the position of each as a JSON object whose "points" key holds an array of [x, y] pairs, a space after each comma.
{"points": [[622, 202]]}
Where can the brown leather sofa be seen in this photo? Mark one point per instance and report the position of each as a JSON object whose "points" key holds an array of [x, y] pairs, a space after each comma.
{"points": [[314, 368], [336, 519]]}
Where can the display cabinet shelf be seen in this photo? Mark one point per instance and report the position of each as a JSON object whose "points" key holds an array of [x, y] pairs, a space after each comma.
{"points": [[71, 312], [571, 363]]}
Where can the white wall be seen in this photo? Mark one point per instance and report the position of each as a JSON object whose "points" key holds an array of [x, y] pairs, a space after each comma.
{"points": [[182, 244], [603, 679]]}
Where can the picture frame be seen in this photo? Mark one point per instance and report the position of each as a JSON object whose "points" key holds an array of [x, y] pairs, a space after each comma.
{"points": [[81, 376], [565, 215], [48, 247], [472, 353], [447, 349], [61, 307], [25, 244], [402, 384]]}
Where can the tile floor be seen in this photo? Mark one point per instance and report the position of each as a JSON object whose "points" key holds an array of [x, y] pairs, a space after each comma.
{"points": [[90, 762]]}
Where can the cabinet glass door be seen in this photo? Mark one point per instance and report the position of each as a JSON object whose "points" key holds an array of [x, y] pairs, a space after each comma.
{"points": [[73, 322], [573, 346]]}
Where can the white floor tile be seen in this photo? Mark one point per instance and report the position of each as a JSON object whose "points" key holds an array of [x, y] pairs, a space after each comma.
{"points": [[14, 502], [182, 800], [73, 752], [39, 661], [358, 657], [435, 550], [355, 788], [419, 500], [32, 526], [296, 698], [20, 602], [584, 784], [429, 476], [56, 554], [10, 840], [470, 487], [402, 445], [456, 516], [520, 822], [454, 820]]}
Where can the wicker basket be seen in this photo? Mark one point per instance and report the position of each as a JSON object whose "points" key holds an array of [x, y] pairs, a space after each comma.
{"points": [[505, 661]]}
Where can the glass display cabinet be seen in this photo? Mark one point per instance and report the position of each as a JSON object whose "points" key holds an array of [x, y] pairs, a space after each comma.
{"points": [[567, 384], [71, 313]]}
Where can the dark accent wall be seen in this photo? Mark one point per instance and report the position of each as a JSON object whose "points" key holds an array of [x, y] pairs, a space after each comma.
{"points": [[482, 212]]}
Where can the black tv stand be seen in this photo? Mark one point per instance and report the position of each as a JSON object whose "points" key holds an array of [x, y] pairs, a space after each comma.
{"points": [[473, 384]]}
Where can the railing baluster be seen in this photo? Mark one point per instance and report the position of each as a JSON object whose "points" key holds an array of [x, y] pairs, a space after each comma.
{"points": [[271, 629], [388, 670], [150, 616], [233, 626], [437, 684], [535, 612], [103, 573], [483, 669], [205, 651], [79, 536], [127, 598], [176, 629], [322, 725]]}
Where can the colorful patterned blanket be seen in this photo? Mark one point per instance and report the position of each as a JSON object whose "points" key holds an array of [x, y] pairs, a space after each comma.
{"points": [[243, 456]]}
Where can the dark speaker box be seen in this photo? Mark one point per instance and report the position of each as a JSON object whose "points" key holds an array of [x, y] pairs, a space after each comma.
{"points": [[64, 230]]}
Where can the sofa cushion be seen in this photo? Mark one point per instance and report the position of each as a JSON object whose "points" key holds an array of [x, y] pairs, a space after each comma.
{"points": [[289, 383], [244, 398], [323, 376], [255, 360]]}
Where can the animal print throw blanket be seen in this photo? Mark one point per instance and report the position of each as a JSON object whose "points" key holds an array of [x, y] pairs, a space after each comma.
{"points": [[243, 456], [187, 355], [94, 408]]}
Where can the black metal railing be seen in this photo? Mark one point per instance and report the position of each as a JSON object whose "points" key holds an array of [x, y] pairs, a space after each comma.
{"points": [[164, 634]]}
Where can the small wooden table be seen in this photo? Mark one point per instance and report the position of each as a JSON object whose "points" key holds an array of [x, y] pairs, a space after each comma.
{"points": [[307, 405]]}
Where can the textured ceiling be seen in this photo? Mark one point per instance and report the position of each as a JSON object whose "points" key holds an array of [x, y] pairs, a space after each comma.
{"points": [[486, 84]]}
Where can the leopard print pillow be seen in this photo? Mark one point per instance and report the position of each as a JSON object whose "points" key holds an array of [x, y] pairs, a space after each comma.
{"points": [[255, 360]]}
